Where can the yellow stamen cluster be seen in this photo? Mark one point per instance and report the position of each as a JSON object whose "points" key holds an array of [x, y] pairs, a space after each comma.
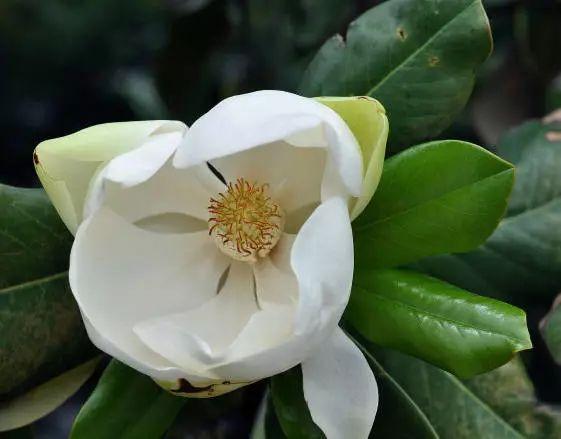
{"points": [[244, 221]]}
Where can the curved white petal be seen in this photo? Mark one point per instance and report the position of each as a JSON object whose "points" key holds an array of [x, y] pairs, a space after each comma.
{"points": [[66, 165], [340, 389], [199, 337], [323, 261], [143, 183], [170, 190], [255, 119], [121, 275]]}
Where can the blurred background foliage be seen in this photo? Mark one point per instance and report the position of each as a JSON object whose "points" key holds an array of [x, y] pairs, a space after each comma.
{"points": [[68, 64]]}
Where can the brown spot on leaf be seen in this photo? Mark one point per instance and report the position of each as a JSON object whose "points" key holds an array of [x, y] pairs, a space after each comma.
{"points": [[401, 34], [35, 158], [434, 61]]}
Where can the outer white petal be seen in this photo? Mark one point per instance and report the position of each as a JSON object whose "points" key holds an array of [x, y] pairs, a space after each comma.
{"points": [[340, 389], [133, 167], [66, 165], [196, 338], [121, 275], [322, 260], [247, 121]]}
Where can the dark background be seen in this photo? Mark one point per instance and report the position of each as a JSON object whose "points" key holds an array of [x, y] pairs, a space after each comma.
{"points": [[69, 64]]}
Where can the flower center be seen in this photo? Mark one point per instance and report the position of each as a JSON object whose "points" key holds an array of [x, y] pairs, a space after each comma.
{"points": [[244, 221]]}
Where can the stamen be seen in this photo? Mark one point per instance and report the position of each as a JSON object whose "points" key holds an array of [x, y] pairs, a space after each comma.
{"points": [[244, 221]]}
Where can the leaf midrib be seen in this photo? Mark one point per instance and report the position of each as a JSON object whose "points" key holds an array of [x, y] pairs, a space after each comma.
{"points": [[436, 317], [366, 226], [418, 50], [31, 283]]}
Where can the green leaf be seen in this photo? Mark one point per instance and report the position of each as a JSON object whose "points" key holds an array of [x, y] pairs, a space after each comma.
{"points": [[451, 328], [550, 327], [42, 400], [439, 197], [510, 393], [398, 416], [417, 57], [291, 407], [523, 256], [453, 409], [41, 331], [126, 404]]}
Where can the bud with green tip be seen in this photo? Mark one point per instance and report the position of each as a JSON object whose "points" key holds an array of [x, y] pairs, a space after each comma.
{"points": [[66, 165], [366, 118]]}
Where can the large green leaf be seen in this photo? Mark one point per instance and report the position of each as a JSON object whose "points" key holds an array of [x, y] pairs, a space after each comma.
{"points": [[127, 405], [417, 57], [451, 328], [41, 332], [523, 256], [43, 399], [453, 409], [510, 393], [550, 328], [439, 197]]}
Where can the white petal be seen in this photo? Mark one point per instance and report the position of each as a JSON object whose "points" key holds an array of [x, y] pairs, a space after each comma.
{"points": [[340, 389], [197, 338], [121, 275], [265, 347], [141, 183], [323, 261], [247, 121], [180, 191], [274, 278]]}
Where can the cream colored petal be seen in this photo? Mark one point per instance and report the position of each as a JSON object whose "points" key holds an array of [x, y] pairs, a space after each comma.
{"points": [[199, 337], [340, 389], [122, 275]]}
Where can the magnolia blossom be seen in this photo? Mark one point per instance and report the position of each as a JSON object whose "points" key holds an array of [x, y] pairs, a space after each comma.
{"points": [[211, 257]]}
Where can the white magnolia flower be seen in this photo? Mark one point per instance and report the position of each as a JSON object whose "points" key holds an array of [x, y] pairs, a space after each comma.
{"points": [[212, 257]]}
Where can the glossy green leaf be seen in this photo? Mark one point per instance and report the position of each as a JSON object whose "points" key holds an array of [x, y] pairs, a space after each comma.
{"points": [[41, 331], [550, 328], [291, 407], [43, 399], [510, 393], [127, 405], [458, 331], [453, 409], [523, 256], [439, 197], [417, 57]]}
